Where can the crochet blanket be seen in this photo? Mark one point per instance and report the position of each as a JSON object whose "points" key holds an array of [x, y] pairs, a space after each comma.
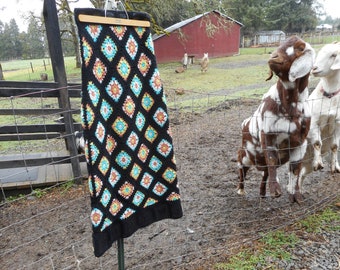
{"points": [[129, 151]]}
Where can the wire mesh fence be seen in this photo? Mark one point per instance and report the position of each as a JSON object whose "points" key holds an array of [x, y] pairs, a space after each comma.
{"points": [[49, 227]]}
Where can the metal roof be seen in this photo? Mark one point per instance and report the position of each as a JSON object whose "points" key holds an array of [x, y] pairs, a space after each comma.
{"points": [[187, 21]]}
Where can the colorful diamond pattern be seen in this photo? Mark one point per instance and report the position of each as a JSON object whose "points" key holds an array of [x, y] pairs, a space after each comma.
{"points": [[151, 134], [94, 31], [114, 177], [126, 190], [160, 117], [131, 47], [173, 197], [136, 86], [140, 31], [110, 144], [100, 132], [89, 114], [104, 165], [94, 152], [98, 184], [114, 89], [109, 48], [132, 140], [147, 102], [127, 213], [107, 222], [143, 152], [89, 183], [146, 180], [164, 148], [150, 201], [129, 106], [119, 31], [155, 164], [115, 207], [120, 126], [106, 196], [144, 64], [93, 93], [140, 121], [123, 68], [96, 217], [99, 70], [159, 189], [87, 51], [135, 172], [106, 110], [155, 82], [169, 175], [138, 198], [149, 44], [123, 159]]}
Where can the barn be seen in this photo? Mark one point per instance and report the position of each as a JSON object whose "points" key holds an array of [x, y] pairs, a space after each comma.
{"points": [[211, 32]]}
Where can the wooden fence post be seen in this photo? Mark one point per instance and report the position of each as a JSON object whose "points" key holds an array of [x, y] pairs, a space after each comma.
{"points": [[1, 74], [59, 72]]}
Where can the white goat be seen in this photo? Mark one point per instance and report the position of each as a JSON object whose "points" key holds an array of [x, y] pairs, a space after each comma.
{"points": [[324, 101]]}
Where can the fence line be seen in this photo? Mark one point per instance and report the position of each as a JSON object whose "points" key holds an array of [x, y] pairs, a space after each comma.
{"points": [[49, 228]]}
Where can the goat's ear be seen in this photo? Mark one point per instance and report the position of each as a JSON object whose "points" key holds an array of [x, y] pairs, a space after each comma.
{"points": [[270, 75], [301, 66], [336, 64]]}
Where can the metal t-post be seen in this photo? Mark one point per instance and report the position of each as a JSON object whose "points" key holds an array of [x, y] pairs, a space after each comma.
{"points": [[120, 244]]}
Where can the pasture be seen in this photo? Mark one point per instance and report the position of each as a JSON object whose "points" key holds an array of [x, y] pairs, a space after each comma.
{"points": [[50, 228]]}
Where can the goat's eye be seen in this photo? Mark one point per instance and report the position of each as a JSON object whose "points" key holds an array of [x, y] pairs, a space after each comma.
{"points": [[333, 55]]}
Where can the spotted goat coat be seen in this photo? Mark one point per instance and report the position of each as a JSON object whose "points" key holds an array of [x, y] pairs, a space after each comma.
{"points": [[276, 133]]}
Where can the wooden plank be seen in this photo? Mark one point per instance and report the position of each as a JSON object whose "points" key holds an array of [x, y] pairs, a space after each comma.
{"points": [[44, 112], [36, 89], [31, 85], [19, 163], [36, 128], [31, 92], [29, 137]]}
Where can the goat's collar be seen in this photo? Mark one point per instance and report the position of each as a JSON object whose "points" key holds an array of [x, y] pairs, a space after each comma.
{"points": [[329, 95]]}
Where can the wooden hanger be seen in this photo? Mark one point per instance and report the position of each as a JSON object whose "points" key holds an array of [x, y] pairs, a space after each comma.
{"points": [[112, 20]]}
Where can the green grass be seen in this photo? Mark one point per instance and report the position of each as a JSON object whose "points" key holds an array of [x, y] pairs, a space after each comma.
{"points": [[269, 248], [276, 245], [21, 70], [324, 220]]}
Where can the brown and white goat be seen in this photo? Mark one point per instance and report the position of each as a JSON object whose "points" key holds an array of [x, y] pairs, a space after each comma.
{"points": [[324, 101], [276, 133]]}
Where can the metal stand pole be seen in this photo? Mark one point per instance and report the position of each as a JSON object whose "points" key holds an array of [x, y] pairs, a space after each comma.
{"points": [[120, 254]]}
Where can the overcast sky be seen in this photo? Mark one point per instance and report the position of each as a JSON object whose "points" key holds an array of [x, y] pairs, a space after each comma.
{"points": [[19, 8]]}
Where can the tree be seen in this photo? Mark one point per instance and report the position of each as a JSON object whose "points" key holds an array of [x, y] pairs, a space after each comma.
{"points": [[34, 47], [286, 15], [68, 31]]}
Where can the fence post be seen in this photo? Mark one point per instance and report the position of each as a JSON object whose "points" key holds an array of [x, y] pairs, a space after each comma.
{"points": [[59, 73]]}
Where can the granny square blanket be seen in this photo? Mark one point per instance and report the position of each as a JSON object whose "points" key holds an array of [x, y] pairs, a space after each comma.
{"points": [[129, 150]]}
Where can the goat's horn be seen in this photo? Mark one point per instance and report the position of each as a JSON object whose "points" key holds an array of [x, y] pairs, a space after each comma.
{"points": [[270, 75]]}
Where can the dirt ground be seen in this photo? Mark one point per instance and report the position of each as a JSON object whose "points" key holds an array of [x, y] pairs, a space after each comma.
{"points": [[54, 231]]}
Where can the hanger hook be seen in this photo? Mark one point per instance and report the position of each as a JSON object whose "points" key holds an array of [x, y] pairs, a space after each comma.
{"points": [[114, 5]]}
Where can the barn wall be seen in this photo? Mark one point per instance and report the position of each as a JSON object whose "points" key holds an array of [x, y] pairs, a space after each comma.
{"points": [[196, 42]]}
